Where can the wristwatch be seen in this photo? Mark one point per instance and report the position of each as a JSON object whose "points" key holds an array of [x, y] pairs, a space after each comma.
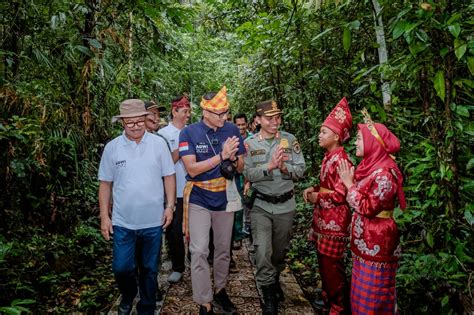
{"points": [[170, 207]]}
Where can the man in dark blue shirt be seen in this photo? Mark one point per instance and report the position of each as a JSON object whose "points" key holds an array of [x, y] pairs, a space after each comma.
{"points": [[203, 146]]}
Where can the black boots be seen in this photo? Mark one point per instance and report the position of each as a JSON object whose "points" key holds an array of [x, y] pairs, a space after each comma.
{"points": [[272, 295], [222, 303], [203, 310], [280, 296], [270, 303]]}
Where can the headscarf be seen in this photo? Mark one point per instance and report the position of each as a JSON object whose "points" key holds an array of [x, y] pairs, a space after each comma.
{"points": [[379, 144]]}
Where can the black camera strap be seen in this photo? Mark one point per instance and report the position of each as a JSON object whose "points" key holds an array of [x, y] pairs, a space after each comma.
{"points": [[212, 147]]}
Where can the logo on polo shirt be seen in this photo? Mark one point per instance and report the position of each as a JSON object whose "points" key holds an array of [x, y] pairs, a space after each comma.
{"points": [[120, 164], [202, 148]]}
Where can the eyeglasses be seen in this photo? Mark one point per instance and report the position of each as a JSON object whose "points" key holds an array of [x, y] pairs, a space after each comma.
{"points": [[221, 115], [132, 124]]}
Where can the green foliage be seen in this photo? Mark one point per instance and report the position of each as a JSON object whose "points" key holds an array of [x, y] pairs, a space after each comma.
{"points": [[436, 229], [302, 253], [17, 307], [66, 67], [55, 270], [308, 58]]}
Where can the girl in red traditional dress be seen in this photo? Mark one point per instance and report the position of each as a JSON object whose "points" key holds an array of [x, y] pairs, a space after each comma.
{"points": [[332, 217], [375, 237]]}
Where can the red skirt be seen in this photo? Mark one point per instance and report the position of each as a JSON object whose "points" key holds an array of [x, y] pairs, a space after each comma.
{"points": [[332, 246], [373, 287]]}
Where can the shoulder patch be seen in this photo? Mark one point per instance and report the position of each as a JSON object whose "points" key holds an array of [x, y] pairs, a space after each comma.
{"points": [[296, 147]]}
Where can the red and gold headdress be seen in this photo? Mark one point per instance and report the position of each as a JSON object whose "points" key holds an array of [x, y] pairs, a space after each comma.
{"points": [[181, 102], [340, 120], [218, 102]]}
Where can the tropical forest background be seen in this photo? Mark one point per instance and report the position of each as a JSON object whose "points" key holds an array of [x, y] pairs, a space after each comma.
{"points": [[66, 66]]}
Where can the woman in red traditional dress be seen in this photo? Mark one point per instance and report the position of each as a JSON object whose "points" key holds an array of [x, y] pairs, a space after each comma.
{"points": [[375, 240], [332, 217]]}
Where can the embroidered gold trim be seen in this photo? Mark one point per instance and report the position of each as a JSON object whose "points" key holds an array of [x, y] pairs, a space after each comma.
{"points": [[385, 214]]}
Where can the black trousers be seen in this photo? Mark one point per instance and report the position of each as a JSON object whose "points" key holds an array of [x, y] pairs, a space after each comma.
{"points": [[175, 239]]}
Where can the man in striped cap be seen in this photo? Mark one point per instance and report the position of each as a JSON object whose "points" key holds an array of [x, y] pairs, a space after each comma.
{"points": [[203, 146]]}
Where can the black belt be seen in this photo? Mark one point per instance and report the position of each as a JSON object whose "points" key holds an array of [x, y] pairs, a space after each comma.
{"points": [[276, 199]]}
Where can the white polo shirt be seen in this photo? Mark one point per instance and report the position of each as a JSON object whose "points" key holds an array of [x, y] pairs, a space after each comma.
{"points": [[171, 133], [136, 171]]}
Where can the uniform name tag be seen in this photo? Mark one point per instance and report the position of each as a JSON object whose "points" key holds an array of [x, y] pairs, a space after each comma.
{"points": [[257, 152]]}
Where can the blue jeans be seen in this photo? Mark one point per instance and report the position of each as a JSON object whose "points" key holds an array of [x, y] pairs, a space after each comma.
{"points": [[137, 251]]}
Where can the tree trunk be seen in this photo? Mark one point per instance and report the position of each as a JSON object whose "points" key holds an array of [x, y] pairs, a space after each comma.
{"points": [[130, 53], [383, 55], [425, 91], [12, 41], [451, 150], [303, 86]]}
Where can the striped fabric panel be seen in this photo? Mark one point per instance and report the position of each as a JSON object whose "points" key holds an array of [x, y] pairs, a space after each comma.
{"points": [[214, 185], [373, 288], [332, 247]]}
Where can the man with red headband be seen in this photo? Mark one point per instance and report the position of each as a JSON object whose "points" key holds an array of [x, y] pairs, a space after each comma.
{"points": [[332, 217], [373, 190], [203, 147], [180, 114]]}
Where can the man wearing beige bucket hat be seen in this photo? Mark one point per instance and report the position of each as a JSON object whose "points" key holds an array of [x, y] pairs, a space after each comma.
{"points": [[130, 172]]}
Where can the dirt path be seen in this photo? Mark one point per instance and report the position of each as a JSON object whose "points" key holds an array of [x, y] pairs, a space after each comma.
{"points": [[242, 290]]}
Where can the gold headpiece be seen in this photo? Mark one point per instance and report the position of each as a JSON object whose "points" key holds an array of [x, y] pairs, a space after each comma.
{"points": [[274, 106], [367, 119], [370, 125]]}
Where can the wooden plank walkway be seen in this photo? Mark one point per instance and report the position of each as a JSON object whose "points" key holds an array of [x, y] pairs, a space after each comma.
{"points": [[241, 287]]}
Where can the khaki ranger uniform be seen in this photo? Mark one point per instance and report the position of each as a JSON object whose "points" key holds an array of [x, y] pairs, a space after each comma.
{"points": [[271, 220]]}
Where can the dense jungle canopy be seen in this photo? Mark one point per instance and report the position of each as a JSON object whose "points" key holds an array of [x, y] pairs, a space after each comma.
{"points": [[66, 66]]}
